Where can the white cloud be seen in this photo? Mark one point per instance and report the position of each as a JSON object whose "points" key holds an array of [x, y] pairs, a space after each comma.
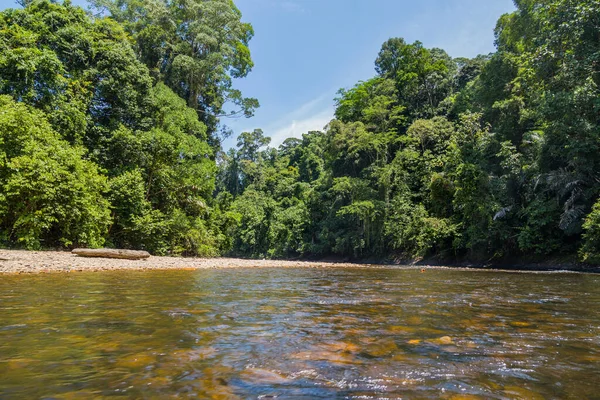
{"points": [[311, 116], [297, 127]]}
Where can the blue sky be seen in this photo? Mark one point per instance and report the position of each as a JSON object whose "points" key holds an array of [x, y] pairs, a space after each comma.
{"points": [[305, 50]]}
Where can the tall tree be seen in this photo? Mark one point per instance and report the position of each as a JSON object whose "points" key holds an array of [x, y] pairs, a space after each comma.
{"points": [[423, 76], [197, 47]]}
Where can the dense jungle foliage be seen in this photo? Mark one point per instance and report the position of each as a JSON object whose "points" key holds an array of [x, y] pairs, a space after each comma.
{"points": [[110, 134]]}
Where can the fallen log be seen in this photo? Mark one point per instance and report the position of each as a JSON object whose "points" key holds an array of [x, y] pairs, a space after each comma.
{"points": [[112, 253]]}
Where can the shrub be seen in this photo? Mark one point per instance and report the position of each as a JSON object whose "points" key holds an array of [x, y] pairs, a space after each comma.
{"points": [[590, 251]]}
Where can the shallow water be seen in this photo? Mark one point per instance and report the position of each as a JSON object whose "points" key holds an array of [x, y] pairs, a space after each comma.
{"points": [[300, 333]]}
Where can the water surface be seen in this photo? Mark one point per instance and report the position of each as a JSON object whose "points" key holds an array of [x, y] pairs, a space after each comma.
{"points": [[300, 333]]}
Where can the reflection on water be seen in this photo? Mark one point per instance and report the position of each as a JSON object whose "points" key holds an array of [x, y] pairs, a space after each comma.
{"points": [[300, 333]]}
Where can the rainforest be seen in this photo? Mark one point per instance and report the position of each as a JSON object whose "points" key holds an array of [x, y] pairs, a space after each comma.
{"points": [[111, 134]]}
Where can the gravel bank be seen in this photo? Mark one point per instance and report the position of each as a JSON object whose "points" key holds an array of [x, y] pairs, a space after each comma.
{"points": [[29, 262], [20, 261]]}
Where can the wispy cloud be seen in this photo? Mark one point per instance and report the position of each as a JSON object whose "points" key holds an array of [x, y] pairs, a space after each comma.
{"points": [[297, 127], [311, 116]]}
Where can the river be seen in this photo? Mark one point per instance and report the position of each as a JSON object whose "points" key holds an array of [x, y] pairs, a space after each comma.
{"points": [[300, 333]]}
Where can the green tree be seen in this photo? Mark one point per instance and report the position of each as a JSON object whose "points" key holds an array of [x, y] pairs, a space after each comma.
{"points": [[423, 76], [82, 72], [49, 195], [168, 173], [590, 251], [197, 47]]}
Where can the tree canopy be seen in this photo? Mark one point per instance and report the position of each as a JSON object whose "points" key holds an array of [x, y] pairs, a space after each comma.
{"points": [[488, 159], [101, 97], [111, 128]]}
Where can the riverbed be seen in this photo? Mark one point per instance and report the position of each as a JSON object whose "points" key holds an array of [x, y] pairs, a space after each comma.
{"points": [[28, 262], [300, 333]]}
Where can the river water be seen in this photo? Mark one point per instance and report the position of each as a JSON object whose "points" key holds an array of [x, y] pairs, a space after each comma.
{"points": [[300, 333]]}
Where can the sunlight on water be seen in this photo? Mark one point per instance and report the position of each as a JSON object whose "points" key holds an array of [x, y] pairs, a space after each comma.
{"points": [[300, 333]]}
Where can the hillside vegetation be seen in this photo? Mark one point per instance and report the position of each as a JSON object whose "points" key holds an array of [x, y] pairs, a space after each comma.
{"points": [[111, 130]]}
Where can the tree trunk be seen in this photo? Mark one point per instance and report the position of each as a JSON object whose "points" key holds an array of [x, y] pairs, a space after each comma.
{"points": [[112, 253]]}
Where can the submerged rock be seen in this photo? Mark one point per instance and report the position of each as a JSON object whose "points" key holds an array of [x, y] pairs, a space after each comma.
{"points": [[444, 340], [264, 377]]}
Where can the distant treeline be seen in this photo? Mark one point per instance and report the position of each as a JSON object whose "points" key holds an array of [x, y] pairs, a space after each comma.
{"points": [[110, 135]]}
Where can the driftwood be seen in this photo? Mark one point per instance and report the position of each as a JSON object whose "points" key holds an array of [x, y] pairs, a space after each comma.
{"points": [[112, 253]]}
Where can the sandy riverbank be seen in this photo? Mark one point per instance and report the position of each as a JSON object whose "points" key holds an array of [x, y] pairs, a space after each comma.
{"points": [[20, 261]]}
